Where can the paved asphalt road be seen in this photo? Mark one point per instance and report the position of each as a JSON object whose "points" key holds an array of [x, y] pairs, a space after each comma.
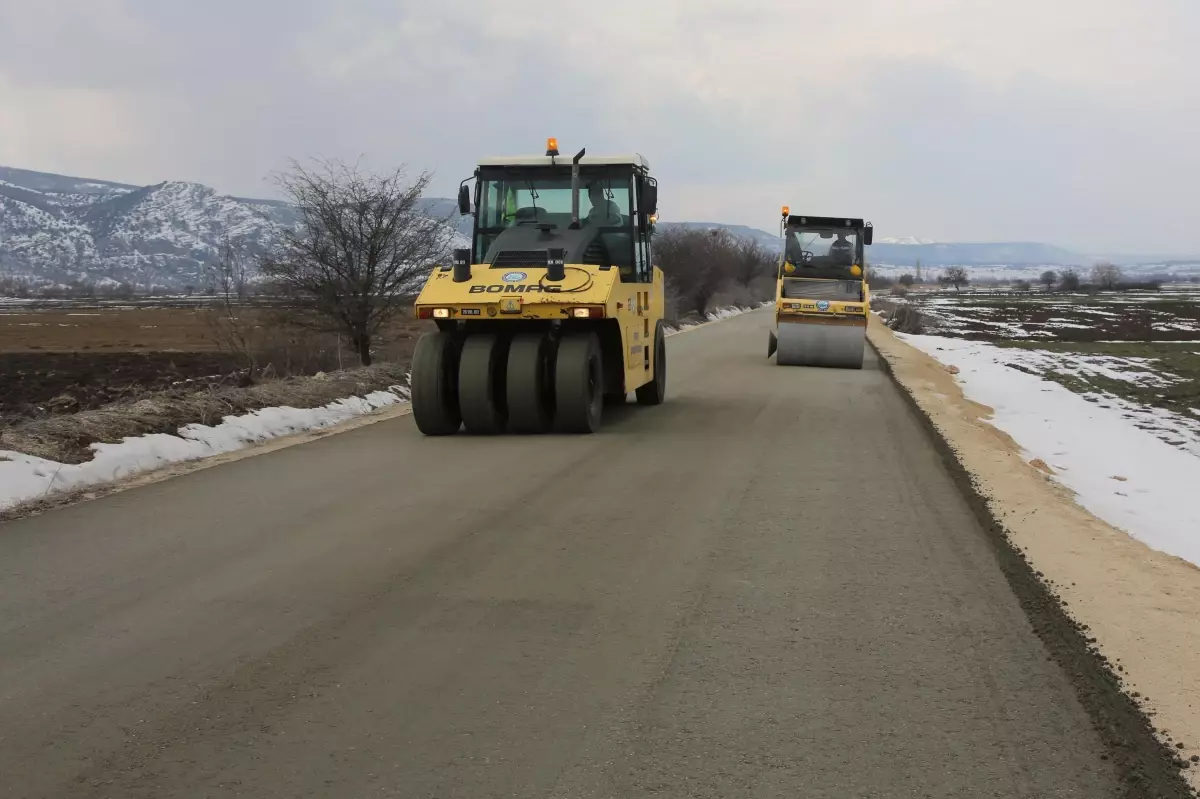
{"points": [[768, 587]]}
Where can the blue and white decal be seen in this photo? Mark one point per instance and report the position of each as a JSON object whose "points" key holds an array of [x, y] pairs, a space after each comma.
{"points": [[513, 277], [822, 305]]}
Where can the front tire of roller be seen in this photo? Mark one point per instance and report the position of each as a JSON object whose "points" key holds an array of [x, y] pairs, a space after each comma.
{"points": [[481, 374], [435, 384], [530, 386], [654, 392], [578, 384]]}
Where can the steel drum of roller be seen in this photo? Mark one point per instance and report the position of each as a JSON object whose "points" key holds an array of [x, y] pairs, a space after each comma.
{"points": [[817, 344]]}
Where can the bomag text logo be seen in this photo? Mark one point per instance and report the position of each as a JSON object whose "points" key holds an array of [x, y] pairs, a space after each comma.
{"points": [[501, 288]]}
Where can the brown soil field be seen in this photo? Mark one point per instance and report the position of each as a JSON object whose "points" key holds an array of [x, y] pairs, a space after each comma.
{"points": [[67, 360]]}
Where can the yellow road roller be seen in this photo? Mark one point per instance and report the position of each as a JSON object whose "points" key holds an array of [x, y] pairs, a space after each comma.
{"points": [[821, 296], [555, 309]]}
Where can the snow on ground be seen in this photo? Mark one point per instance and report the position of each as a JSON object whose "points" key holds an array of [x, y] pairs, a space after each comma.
{"points": [[1137, 468], [24, 477], [1139, 371], [718, 315]]}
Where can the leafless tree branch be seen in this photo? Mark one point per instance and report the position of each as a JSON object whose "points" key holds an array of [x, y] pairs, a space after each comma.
{"points": [[361, 249]]}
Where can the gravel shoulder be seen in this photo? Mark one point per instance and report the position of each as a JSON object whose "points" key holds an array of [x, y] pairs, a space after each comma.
{"points": [[1139, 609]]}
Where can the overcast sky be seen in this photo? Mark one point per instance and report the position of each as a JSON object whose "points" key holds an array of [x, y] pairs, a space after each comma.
{"points": [[1074, 122]]}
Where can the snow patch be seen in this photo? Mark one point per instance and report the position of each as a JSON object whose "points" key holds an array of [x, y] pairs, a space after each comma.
{"points": [[25, 477], [718, 315], [1088, 438]]}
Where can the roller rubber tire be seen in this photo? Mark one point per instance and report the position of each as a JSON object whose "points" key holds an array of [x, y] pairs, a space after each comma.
{"points": [[435, 384], [530, 385], [578, 384], [654, 392], [481, 373]]}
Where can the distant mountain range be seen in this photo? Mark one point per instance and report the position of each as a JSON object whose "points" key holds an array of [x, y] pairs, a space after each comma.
{"points": [[56, 229]]}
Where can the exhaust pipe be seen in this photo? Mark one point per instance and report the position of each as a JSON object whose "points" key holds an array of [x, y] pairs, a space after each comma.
{"points": [[462, 265], [556, 269], [575, 189]]}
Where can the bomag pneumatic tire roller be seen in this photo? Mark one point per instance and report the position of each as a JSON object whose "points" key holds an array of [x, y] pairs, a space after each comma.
{"points": [[549, 314], [822, 299]]}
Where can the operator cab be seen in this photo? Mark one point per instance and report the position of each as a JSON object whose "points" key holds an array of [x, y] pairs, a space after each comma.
{"points": [[823, 248], [599, 211]]}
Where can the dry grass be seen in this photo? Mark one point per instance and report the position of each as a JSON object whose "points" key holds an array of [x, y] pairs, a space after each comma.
{"points": [[899, 316], [66, 438], [108, 329], [65, 360]]}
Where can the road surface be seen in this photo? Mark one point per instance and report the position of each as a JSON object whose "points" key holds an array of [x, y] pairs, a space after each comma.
{"points": [[767, 587]]}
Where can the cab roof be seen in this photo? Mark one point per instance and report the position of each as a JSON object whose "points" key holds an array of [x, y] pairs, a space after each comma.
{"points": [[565, 160], [800, 220]]}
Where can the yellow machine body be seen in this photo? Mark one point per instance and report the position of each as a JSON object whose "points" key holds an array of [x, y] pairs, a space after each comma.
{"points": [[554, 310], [821, 303], [589, 296]]}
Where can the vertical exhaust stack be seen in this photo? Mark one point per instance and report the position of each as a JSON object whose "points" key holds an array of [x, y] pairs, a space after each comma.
{"points": [[575, 189], [556, 269], [462, 265]]}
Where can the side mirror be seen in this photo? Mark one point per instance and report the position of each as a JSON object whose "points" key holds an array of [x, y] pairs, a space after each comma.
{"points": [[464, 200], [648, 199], [868, 234]]}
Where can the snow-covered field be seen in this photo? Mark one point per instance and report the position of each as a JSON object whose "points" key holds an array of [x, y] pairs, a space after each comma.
{"points": [[1134, 466], [24, 477], [1031, 272], [1170, 314]]}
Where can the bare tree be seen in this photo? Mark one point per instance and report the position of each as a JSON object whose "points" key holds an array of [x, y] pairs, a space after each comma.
{"points": [[1023, 285], [360, 250], [1048, 279], [1106, 275], [699, 263], [907, 280], [956, 276], [1069, 281], [230, 321], [752, 262]]}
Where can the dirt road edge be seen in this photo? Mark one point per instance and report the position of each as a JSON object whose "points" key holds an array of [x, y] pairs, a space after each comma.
{"points": [[1147, 767]]}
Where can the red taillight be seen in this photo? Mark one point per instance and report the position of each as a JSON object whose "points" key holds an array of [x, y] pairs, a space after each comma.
{"points": [[424, 313]]}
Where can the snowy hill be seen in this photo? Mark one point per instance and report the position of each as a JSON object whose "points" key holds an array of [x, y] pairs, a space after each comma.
{"points": [[56, 229]]}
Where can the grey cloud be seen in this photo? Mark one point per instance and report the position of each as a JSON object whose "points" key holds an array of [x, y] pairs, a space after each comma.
{"points": [[224, 92]]}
